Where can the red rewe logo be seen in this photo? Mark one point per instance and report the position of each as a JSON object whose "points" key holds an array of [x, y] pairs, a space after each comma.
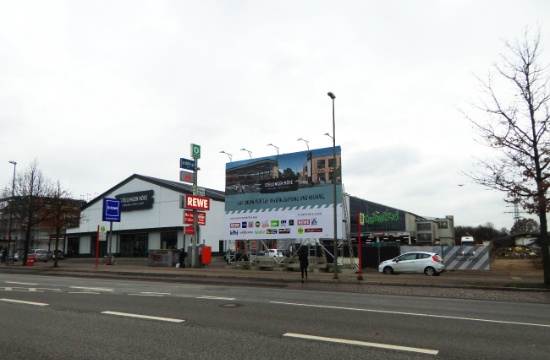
{"points": [[197, 202], [235, 225], [304, 222]]}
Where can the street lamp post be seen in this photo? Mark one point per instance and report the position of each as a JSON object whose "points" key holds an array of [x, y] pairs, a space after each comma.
{"points": [[11, 207], [276, 147], [228, 155], [332, 96], [304, 140], [248, 151]]}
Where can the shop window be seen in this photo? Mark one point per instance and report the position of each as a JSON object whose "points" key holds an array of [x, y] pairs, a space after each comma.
{"points": [[169, 239], [424, 237], [321, 164], [73, 246], [424, 226], [331, 162]]}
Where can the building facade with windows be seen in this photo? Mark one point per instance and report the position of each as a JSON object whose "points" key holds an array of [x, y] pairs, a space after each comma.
{"points": [[151, 218], [387, 224]]}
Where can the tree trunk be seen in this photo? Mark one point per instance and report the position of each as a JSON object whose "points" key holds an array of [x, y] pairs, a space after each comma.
{"points": [[544, 247]]}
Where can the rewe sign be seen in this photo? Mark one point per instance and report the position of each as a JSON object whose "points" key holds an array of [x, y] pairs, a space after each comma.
{"points": [[189, 218], [197, 202]]}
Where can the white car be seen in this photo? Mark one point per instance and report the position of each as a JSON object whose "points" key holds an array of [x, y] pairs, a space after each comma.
{"points": [[274, 253], [418, 262]]}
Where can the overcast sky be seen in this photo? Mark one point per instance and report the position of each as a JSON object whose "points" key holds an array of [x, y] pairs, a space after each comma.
{"points": [[96, 91]]}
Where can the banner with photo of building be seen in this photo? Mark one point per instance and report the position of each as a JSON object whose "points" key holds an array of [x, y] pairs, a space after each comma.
{"points": [[283, 196]]}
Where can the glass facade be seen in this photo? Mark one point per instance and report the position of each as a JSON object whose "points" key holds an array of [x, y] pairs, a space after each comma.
{"points": [[134, 245]]}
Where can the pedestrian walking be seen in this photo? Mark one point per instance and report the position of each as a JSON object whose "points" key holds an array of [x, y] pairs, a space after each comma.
{"points": [[182, 258], [4, 256], [304, 262]]}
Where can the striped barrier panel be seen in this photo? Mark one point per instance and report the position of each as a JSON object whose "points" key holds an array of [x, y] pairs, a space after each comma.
{"points": [[458, 257]]}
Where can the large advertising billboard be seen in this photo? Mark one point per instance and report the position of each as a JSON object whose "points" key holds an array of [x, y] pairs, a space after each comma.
{"points": [[287, 196]]}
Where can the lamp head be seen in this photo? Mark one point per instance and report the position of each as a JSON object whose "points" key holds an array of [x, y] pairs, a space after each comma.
{"points": [[331, 95]]}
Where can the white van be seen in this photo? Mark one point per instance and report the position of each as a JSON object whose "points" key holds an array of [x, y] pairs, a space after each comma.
{"points": [[467, 241]]}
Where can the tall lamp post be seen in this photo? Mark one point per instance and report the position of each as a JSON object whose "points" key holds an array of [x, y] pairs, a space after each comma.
{"points": [[332, 96], [276, 148], [304, 140], [248, 151], [11, 207], [228, 155]]}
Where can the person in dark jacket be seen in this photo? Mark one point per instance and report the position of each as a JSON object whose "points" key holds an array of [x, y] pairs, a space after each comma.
{"points": [[182, 258], [304, 262]]}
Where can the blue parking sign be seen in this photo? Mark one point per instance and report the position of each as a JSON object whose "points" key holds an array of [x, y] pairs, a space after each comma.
{"points": [[111, 210]]}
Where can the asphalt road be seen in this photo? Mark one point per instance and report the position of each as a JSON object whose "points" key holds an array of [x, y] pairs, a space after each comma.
{"points": [[48, 317]]}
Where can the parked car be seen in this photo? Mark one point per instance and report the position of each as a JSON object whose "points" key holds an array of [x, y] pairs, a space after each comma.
{"points": [[419, 262], [274, 253], [59, 254], [38, 255], [13, 257]]}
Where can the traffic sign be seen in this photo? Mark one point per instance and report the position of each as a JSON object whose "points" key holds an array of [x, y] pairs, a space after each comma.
{"points": [[111, 209], [187, 164], [201, 191], [187, 176], [195, 151]]}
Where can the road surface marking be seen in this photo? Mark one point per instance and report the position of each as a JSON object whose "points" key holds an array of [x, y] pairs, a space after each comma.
{"points": [[145, 294], [24, 302], [214, 297], [84, 292], [363, 343], [90, 288], [415, 314], [20, 283], [154, 293], [142, 316]]}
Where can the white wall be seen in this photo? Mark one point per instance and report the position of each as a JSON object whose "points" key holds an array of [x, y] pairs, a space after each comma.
{"points": [[164, 213]]}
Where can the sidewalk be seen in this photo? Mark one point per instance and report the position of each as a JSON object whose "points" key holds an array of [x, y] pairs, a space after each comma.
{"points": [[455, 284]]}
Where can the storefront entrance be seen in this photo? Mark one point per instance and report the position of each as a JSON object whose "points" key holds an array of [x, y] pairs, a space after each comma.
{"points": [[134, 245]]}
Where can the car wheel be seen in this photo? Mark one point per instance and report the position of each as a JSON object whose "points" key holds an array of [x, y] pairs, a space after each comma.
{"points": [[430, 271], [388, 270]]}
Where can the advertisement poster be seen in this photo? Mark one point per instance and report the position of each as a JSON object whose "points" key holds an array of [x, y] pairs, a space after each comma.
{"points": [[287, 196]]}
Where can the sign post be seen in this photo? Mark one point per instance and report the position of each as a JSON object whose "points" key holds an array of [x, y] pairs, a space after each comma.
{"points": [[360, 221], [111, 212], [195, 154]]}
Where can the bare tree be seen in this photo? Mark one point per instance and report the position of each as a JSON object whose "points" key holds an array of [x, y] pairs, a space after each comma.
{"points": [[525, 226], [62, 212], [30, 190], [515, 124]]}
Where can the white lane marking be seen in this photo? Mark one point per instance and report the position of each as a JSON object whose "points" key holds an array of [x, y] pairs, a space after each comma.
{"points": [[84, 292], [214, 298], [24, 302], [143, 294], [20, 283], [142, 316], [363, 343], [415, 314], [91, 288], [12, 288], [154, 293]]}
